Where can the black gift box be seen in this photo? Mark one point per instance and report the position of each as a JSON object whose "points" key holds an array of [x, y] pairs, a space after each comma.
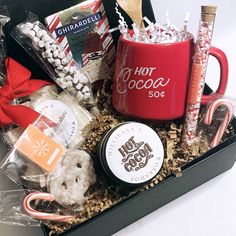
{"points": [[202, 169]]}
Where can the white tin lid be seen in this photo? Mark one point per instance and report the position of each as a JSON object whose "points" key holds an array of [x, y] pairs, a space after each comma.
{"points": [[134, 153]]}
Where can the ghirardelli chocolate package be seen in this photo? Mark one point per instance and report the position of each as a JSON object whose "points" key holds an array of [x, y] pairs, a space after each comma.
{"points": [[82, 30]]}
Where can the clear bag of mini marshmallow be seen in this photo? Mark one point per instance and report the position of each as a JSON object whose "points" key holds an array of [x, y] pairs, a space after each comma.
{"points": [[40, 163], [31, 208], [33, 36], [215, 122]]}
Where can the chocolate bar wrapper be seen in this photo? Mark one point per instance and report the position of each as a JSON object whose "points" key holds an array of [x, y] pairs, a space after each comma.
{"points": [[82, 30]]}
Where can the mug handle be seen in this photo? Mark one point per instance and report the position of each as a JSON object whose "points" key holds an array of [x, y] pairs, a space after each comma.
{"points": [[223, 62]]}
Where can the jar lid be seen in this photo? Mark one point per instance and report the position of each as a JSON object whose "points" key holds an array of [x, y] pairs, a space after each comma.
{"points": [[131, 153]]}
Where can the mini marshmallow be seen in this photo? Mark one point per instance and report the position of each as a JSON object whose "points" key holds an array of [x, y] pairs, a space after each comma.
{"points": [[79, 95], [68, 78], [63, 85], [49, 53], [52, 47], [69, 84], [75, 80], [73, 90], [35, 40], [72, 70], [83, 79], [64, 61], [39, 34], [60, 67], [66, 69], [36, 28], [41, 44], [51, 60], [46, 37], [55, 53], [31, 34], [62, 55], [56, 70], [78, 86], [48, 46], [61, 74], [57, 62], [44, 32], [86, 95], [29, 25], [25, 30], [59, 80], [44, 55], [85, 89]]}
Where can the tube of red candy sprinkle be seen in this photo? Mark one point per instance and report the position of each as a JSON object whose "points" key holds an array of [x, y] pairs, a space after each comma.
{"points": [[197, 80]]}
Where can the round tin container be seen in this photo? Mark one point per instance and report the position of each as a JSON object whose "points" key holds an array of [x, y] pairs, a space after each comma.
{"points": [[131, 153]]}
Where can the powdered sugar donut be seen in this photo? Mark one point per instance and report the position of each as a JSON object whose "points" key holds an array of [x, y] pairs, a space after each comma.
{"points": [[71, 178]]}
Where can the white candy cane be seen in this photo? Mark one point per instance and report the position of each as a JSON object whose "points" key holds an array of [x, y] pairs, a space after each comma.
{"points": [[224, 124], [42, 215]]}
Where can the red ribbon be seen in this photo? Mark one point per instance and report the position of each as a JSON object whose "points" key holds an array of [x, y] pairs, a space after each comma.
{"points": [[18, 84]]}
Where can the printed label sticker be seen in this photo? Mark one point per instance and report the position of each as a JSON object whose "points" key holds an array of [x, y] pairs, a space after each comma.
{"points": [[39, 148]]}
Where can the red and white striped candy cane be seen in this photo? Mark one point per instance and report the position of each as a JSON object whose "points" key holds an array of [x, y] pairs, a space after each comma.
{"points": [[224, 124], [42, 215]]}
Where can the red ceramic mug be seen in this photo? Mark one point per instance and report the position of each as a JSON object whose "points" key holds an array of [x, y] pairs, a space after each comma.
{"points": [[151, 80]]}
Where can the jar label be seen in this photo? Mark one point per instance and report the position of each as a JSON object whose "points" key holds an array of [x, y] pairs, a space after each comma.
{"points": [[66, 123]]}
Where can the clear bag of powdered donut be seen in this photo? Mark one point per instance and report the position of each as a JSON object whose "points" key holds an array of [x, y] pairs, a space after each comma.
{"points": [[31, 208], [61, 175], [49, 53], [215, 120]]}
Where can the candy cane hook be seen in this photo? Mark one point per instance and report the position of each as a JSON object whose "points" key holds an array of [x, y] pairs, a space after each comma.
{"points": [[224, 124], [42, 215]]}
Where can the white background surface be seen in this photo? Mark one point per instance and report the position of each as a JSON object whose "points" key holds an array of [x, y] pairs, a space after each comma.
{"points": [[211, 208]]}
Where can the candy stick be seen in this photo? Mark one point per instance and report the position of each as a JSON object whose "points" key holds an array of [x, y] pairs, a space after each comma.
{"points": [[186, 24], [224, 124], [167, 19], [41, 215], [197, 80]]}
